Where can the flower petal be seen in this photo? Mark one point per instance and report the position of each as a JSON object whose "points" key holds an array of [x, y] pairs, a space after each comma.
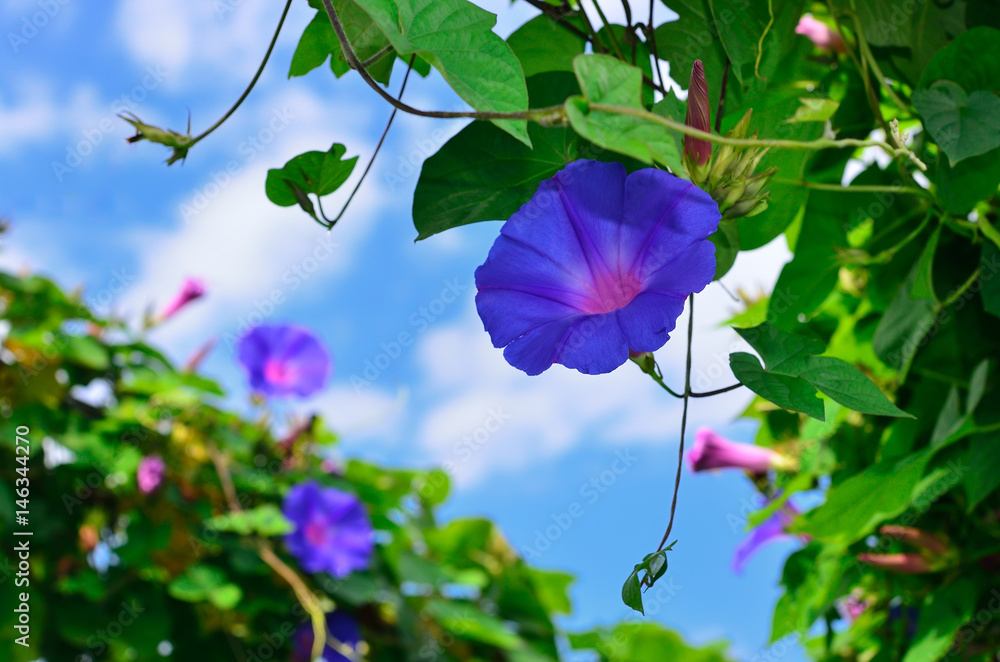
{"points": [[664, 215], [649, 319], [535, 351], [593, 345], [686, 273], [508, 314]]}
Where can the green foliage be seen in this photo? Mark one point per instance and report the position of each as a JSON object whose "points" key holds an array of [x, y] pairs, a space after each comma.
{"points": [[793, 375], [317, 173], [457, 38], [320, 42], [605, 80]]}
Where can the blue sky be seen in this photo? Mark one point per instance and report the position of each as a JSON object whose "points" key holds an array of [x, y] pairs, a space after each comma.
{"points": [[92, 210]]}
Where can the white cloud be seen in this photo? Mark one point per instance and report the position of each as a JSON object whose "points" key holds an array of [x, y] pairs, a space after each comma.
{"points": [[252, 254], [181, 35], [490, 417]]}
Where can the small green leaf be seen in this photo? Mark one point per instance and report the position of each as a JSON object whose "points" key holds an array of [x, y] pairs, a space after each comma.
{"points": [[727, 247], [264, 520], [944, 611], [632, 592], [320, 173], [814, 109]]}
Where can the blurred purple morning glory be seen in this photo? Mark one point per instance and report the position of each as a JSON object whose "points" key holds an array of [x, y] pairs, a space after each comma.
{"points": [[332, 531], [773, 528], [282, 360], [339, 625], [597, 263]]}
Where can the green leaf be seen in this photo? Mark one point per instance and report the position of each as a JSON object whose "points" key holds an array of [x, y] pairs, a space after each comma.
{"points": [[464, 620], [983, 476], [552, 589], [961, 186], [632, 593], [846, 385], [791, 393], [989, 268], [911, 315], [266, 520], [740, 24], [606, 80], [971, 61], [793, 375], [320, 173], [814, 109], [692, 37], [456, 37], [963, 125], [865, 500], [543, 45], [727, 247], [943, 612], [86, 351], [201, 583], [808, 279], [319, 41]]}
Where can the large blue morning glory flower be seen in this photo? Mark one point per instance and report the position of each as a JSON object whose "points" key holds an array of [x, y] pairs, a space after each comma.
{"points": [[597, 263]]}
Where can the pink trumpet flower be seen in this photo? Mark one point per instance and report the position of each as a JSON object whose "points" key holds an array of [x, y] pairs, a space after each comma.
{"points": [[820, 34], [710, 451], [193, 288]]}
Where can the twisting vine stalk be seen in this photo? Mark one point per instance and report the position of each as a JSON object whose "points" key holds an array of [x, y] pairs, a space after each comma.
{"points": [[253, 81], [684, 416], [402, 88]]}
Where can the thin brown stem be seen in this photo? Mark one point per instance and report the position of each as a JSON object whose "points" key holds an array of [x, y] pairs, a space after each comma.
{"points": [[708, 394], [253, 81], [684, 416], [385, 132]]}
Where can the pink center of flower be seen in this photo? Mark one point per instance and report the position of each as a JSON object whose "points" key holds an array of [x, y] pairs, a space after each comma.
{"points": [[277, 372], [611, 292], [316, 533]]}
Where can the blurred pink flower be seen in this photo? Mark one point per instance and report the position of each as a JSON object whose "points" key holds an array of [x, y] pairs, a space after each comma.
{"points": [[194, 361], [906, 564], [150, 473], [928, 542], [820, 34], [851, 607], [192, 289], [710, 451]]}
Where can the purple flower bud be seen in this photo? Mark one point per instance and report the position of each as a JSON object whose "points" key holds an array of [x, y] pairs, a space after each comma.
{"points": [[192, 289], [699, 116], [597, 265], [820, 34], [194, 361], [284, 360], [150, 473], [332, 531], [710, 451]]}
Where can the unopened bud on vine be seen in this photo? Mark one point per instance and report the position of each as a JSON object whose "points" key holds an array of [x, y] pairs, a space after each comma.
{"points": [[180, 143], [697, 151], [732, 178]]}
